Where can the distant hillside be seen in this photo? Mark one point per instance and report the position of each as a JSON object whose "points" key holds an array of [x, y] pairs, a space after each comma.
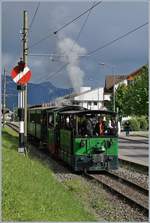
{"points": [[37, 93]]}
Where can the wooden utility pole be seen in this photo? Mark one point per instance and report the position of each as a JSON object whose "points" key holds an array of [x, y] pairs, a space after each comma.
{"points": [[4, 97], [25, 60]]}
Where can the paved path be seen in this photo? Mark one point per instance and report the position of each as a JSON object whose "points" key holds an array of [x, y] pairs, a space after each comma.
{"points": [[134, 148]]}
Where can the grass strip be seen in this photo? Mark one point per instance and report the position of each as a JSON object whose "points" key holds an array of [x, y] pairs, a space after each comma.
{"points": [[30, 192]]}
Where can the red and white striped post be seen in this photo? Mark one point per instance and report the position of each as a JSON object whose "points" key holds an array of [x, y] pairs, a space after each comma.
{"points": [[21, 74], [21, 105]]}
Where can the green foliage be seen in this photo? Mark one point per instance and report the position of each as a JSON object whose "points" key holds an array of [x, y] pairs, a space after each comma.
{"points": [[30, 191], [134, 124], [143, 122], [138, 123], [133, 98], [120, 98]]}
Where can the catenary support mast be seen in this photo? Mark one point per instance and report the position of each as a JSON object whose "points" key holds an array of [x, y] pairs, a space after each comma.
{"points": [[4, 97], [25, 60]]}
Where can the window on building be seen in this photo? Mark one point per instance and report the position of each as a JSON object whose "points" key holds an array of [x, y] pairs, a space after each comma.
{"points": [[89, 103], [95, 103]]}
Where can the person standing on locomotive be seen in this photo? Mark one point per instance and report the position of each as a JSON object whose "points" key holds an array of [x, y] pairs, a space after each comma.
{"points": [[112, 127], [86, 127], [100, 126]]}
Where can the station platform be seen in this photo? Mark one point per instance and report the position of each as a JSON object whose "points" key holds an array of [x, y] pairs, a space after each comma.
{"points": [[134, 148]]}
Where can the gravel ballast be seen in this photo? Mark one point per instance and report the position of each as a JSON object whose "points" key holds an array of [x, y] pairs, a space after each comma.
{"points": [[105, 205]]}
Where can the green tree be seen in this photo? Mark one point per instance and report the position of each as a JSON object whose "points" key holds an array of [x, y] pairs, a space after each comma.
{"points": [[120, 95], [132, 99], [136, 97]]}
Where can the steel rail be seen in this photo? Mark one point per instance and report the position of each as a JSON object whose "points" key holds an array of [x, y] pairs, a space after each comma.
{"points": [[134, 165], [115, 190], [128, 183], [112, 188], [13, 126]]}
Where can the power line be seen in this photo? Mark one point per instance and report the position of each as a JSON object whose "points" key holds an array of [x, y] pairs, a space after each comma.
{"points": [[13, 95], [78, 36], [119, 38], [59, 70], [82, 27], [107, 44], [41, 40], [55, 32], [68, 23], [33, 18]]}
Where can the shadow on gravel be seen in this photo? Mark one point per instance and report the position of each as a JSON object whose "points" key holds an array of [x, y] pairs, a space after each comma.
{"points": [[45, 159]]}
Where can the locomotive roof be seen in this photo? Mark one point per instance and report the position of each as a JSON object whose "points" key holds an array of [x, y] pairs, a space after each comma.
{"points": [[88, 112], [42, 108], [68, 108]]}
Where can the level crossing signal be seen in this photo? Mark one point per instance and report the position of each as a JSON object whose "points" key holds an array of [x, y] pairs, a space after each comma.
{"points": [[21, 74]]}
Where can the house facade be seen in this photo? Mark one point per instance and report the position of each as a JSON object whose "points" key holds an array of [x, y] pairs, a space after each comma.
{"points": [[113, 81], [91, 99], [98, 98]]}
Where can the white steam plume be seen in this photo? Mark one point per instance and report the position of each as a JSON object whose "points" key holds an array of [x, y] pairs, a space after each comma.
{"points": [[71, 52]]}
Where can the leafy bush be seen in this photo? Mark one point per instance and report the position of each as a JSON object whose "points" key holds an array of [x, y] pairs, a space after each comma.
{"points": [[143, 122], [134, 124], [138, 123]]}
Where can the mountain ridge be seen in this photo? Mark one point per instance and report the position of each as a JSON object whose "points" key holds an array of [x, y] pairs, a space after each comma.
{"points": [[37, 93]]}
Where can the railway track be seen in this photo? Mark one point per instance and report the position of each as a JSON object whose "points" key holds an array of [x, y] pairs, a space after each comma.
{"points": [[13, 126], [126, 189], [134, 194], [136, 166]]}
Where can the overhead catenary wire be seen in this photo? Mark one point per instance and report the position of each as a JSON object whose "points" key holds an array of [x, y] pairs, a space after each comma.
{"points": [[70, 22], [58, 71], [73, 20], [13, 95], [117, 39], [92, 51], [41, 40], [78, 36], [34, 16], [108, 43], [104, 46], [82, 27]]}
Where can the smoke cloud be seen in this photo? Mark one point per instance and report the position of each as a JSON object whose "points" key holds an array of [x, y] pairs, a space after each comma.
{"points": [[71, 52]]}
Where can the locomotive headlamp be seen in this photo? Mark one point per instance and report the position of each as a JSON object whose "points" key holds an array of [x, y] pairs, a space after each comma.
{"points": [[103, 149]]}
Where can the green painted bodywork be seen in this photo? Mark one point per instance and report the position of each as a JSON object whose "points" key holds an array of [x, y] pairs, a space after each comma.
{"points": [[90, 144], [91, 150], [51, 139], [38, 131], [92, 153], [95, 143], [31, 128], [65, 140], [86, 152]]}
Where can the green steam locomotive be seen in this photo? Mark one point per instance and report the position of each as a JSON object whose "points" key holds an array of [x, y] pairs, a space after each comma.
{"points": [[84, 139]]}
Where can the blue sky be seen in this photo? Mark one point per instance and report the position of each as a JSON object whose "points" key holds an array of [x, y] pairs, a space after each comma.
{"points": [[106, 22]]}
